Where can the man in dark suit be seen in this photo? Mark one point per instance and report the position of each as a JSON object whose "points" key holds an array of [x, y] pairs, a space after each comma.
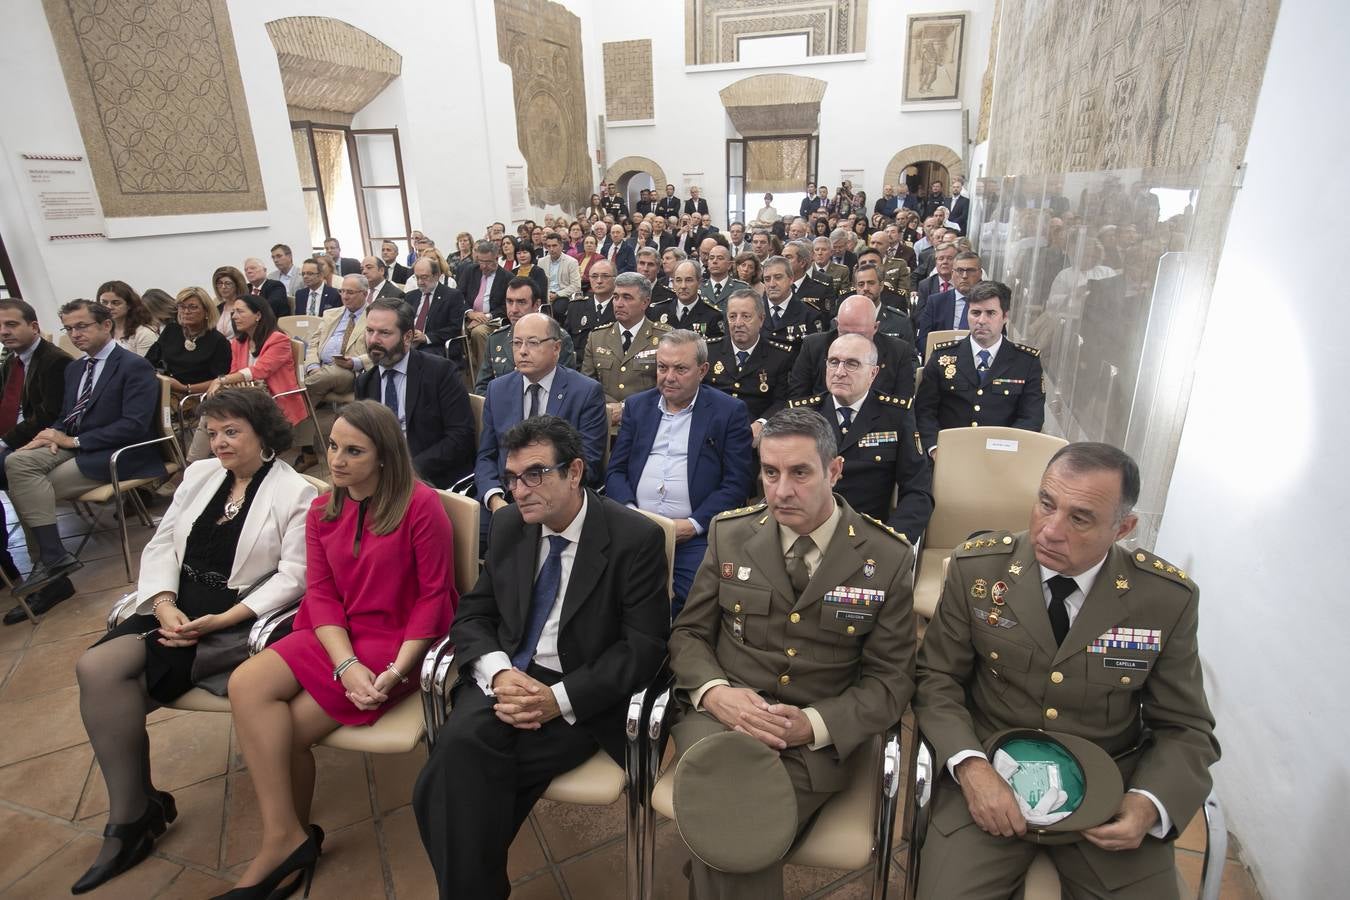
{"points": [[877, 440], [841, 242], [568, 619], [110, 401], [645, 202], [686, 308], [377, 276], [810, 203], [787, 320], [438, 312], [936, 198], [695, 203], [259, 285], [959, 208], [948, 311], [395, 270], [669, 205], [343, 264], [857, 315], [907, 200], [484, 288], [620, 252], [887, 203], [423, 390], [821, 295], [940, 281], [32, 388], [706, 433], [317, 296], [982, 379], [747, 366]]}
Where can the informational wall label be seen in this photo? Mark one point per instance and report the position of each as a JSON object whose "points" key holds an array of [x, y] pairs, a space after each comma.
{"points": [[61, 189], [515, 188]]}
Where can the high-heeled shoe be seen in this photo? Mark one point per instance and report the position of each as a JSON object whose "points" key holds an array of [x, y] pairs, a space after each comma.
{"points": [[303, 860], [137, 840]]}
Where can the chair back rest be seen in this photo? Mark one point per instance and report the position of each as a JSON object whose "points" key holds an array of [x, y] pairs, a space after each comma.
{"points": [[319, 484], [985, 478], [940, 337], [667, 526], [464, 515], [169, 449], [302, 327], [476, 402], [298, 355]]}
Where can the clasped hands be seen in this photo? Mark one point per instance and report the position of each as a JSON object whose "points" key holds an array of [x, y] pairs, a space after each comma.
{"points": [[52, 439], [177, 630], [523, 702], [776, 725], [365, 689], [993, 806]]}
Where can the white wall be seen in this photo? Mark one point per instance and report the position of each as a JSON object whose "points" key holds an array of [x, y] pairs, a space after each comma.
{"points": [[861, 125], [1260, 488]]}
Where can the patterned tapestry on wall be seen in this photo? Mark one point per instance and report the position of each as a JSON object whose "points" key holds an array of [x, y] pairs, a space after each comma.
{"points": [[541, 42], [160, 102]]}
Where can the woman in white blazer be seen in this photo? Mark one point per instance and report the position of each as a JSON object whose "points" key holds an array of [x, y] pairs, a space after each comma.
{"points": [[230, 548]]}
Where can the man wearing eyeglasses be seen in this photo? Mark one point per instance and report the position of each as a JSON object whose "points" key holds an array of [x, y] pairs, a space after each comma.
{"points": [[522, 298], [876, 436], [947, 311], [594, 312], [568, 619], [536, 387], [857, 315]]}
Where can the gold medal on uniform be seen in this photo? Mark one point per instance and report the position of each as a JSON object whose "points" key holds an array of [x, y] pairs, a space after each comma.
{"points": [[727, 569], [583, 321], [993, 616], [997, 591], [949, 372], [1121, 583], [947, 361], [763, 382], [719, 368], [980, 589]]}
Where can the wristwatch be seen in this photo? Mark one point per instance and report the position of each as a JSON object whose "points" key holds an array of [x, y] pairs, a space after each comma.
{"points": [[76, 441]]}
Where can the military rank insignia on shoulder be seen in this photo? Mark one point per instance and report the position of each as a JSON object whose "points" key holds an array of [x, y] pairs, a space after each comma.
{"points": [[886, 528], [786, 348], [1034, 351], [988, 544], [902, 402], [811, 302], [504, 328], [807, 401], [1161, 567], [945, 344], [743, 511]]}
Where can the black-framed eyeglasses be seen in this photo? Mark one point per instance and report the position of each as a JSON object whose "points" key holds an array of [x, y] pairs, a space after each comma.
{"points": [[532, 477]]}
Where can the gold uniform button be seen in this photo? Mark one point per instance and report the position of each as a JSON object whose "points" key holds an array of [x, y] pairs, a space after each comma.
{"points": [[1140, 557], [1007, 539], [993, 654], [1052, 714], [977, 407], [621, 385], [795, 618], [737, 385], [1057, 677], [850, 629], [980, 392], [623, 368], [1124, 679], [792, 651], [972, 424], [878, 459], [785, 679], [736, 608]]}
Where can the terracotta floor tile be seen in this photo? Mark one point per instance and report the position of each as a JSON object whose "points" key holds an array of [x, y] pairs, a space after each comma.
{"points": [[14, 637], [1237, 882], [8, 660], [40, 839], [243, 828], [184, 750], [193, 885], [195, 836], [351, 865], [395, 774], [1194, 838], [84, 614], [342, 789], [570, 828], [40, 725], [51, 783], [407, 860], [44, 668], [802, 881], [602, 875], [55, 876], [526, 856], [541, 887]]}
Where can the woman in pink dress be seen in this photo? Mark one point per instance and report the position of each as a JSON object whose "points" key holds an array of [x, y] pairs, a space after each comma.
{"points": [[380, 590]]}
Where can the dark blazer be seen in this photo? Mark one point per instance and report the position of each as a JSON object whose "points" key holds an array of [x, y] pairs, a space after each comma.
{"points": [[473, 277], [615, 614], [668, 239], [886, 206], [625, 258], [537, 275], [936, 315], [911, 202], [894, 356], [439, 420], [927, 288], [719, 457], [274, 292], [850, 259], [44, 389], [400, 273], [573, 397], [445, 319], [331, 300], [704, 318], [809, 205], [389, 289], [668, 206], [699, 206], [121, 411], [959, 211], [349, 266]]}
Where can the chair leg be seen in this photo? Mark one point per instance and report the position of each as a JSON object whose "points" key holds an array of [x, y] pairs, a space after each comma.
{"points": [[909, 819], [141, 512], [23, 601], [122, 527], [885, 825]]}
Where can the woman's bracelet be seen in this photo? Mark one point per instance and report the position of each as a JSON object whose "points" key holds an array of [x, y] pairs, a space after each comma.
{"points": [[402, 679], [343, 666], [154, 607]]}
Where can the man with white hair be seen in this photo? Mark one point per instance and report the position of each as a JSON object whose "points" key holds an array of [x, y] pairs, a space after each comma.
{"points": [[259, 285]]}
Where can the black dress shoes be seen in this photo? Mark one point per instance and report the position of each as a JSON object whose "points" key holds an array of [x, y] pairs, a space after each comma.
{"points": [[44, 573], [273, 886], [137, 839], [42, 601]]}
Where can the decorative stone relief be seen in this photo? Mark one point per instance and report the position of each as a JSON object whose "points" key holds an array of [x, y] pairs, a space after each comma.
{"points": [[628, 81], [713, 27]]}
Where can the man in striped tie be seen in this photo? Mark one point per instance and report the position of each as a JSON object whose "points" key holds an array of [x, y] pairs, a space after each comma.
{"points": [[111, 398]]}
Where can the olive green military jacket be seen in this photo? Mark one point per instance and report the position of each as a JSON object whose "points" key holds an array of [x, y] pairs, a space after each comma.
{"points": [[621, 374], [845, 647]]}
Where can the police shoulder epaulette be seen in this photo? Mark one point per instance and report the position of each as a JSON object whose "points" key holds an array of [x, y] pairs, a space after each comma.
{"points": [[811, 302], [743, 511], [807, 401], [886, 528], [987, 544], [902, 402], [1034, 351], [1160, 567], [717, 341], [506, 327], [786, 348], [945, 344]]}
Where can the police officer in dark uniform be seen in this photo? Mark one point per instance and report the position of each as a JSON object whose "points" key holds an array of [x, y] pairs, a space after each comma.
{"points": [[787, 319], [747, 365], [877, 440], [649, 267], [614, 203], [687, 309], [984, 379], [596, 311], [857, 315], [892, 318]]}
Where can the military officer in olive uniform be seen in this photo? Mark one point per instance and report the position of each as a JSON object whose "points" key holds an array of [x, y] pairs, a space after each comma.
{"points": [[752, 368], [877, 440], [983, 379], [1062, 628], [857, 315], [799, 628], [895, 272], [622, 356], [825, 270], [687, 309], [498, 358], [787, 320]]}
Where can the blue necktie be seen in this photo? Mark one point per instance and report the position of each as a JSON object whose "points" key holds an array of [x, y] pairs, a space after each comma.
{"points": [[391, 390], [965, 320], [983, 366], [846, 413], [541, 601], [741, 357], [72, 421]]}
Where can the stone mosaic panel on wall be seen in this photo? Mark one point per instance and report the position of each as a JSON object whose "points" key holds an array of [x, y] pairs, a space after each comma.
{"points": [[541, 42], [628, 81], [713, 27], [160, 103]]}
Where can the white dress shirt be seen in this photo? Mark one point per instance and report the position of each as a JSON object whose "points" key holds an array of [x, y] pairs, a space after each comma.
{"points": [[992, 351], [399, 372], [663, 486], [486, 667], [545, 385]]}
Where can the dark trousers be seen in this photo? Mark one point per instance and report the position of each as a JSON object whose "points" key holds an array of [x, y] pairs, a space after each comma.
{"points": [[479, 785]]}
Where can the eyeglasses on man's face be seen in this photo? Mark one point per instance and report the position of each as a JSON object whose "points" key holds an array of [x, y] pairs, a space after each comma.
{"points": [[532, 344], [531, 477]]}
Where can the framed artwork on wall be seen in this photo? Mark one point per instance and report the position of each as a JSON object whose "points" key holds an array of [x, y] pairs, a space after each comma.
{"points": [[934, 51]]}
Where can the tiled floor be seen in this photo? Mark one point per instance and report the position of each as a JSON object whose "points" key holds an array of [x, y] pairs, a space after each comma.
{"points": [[53, 803]]}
